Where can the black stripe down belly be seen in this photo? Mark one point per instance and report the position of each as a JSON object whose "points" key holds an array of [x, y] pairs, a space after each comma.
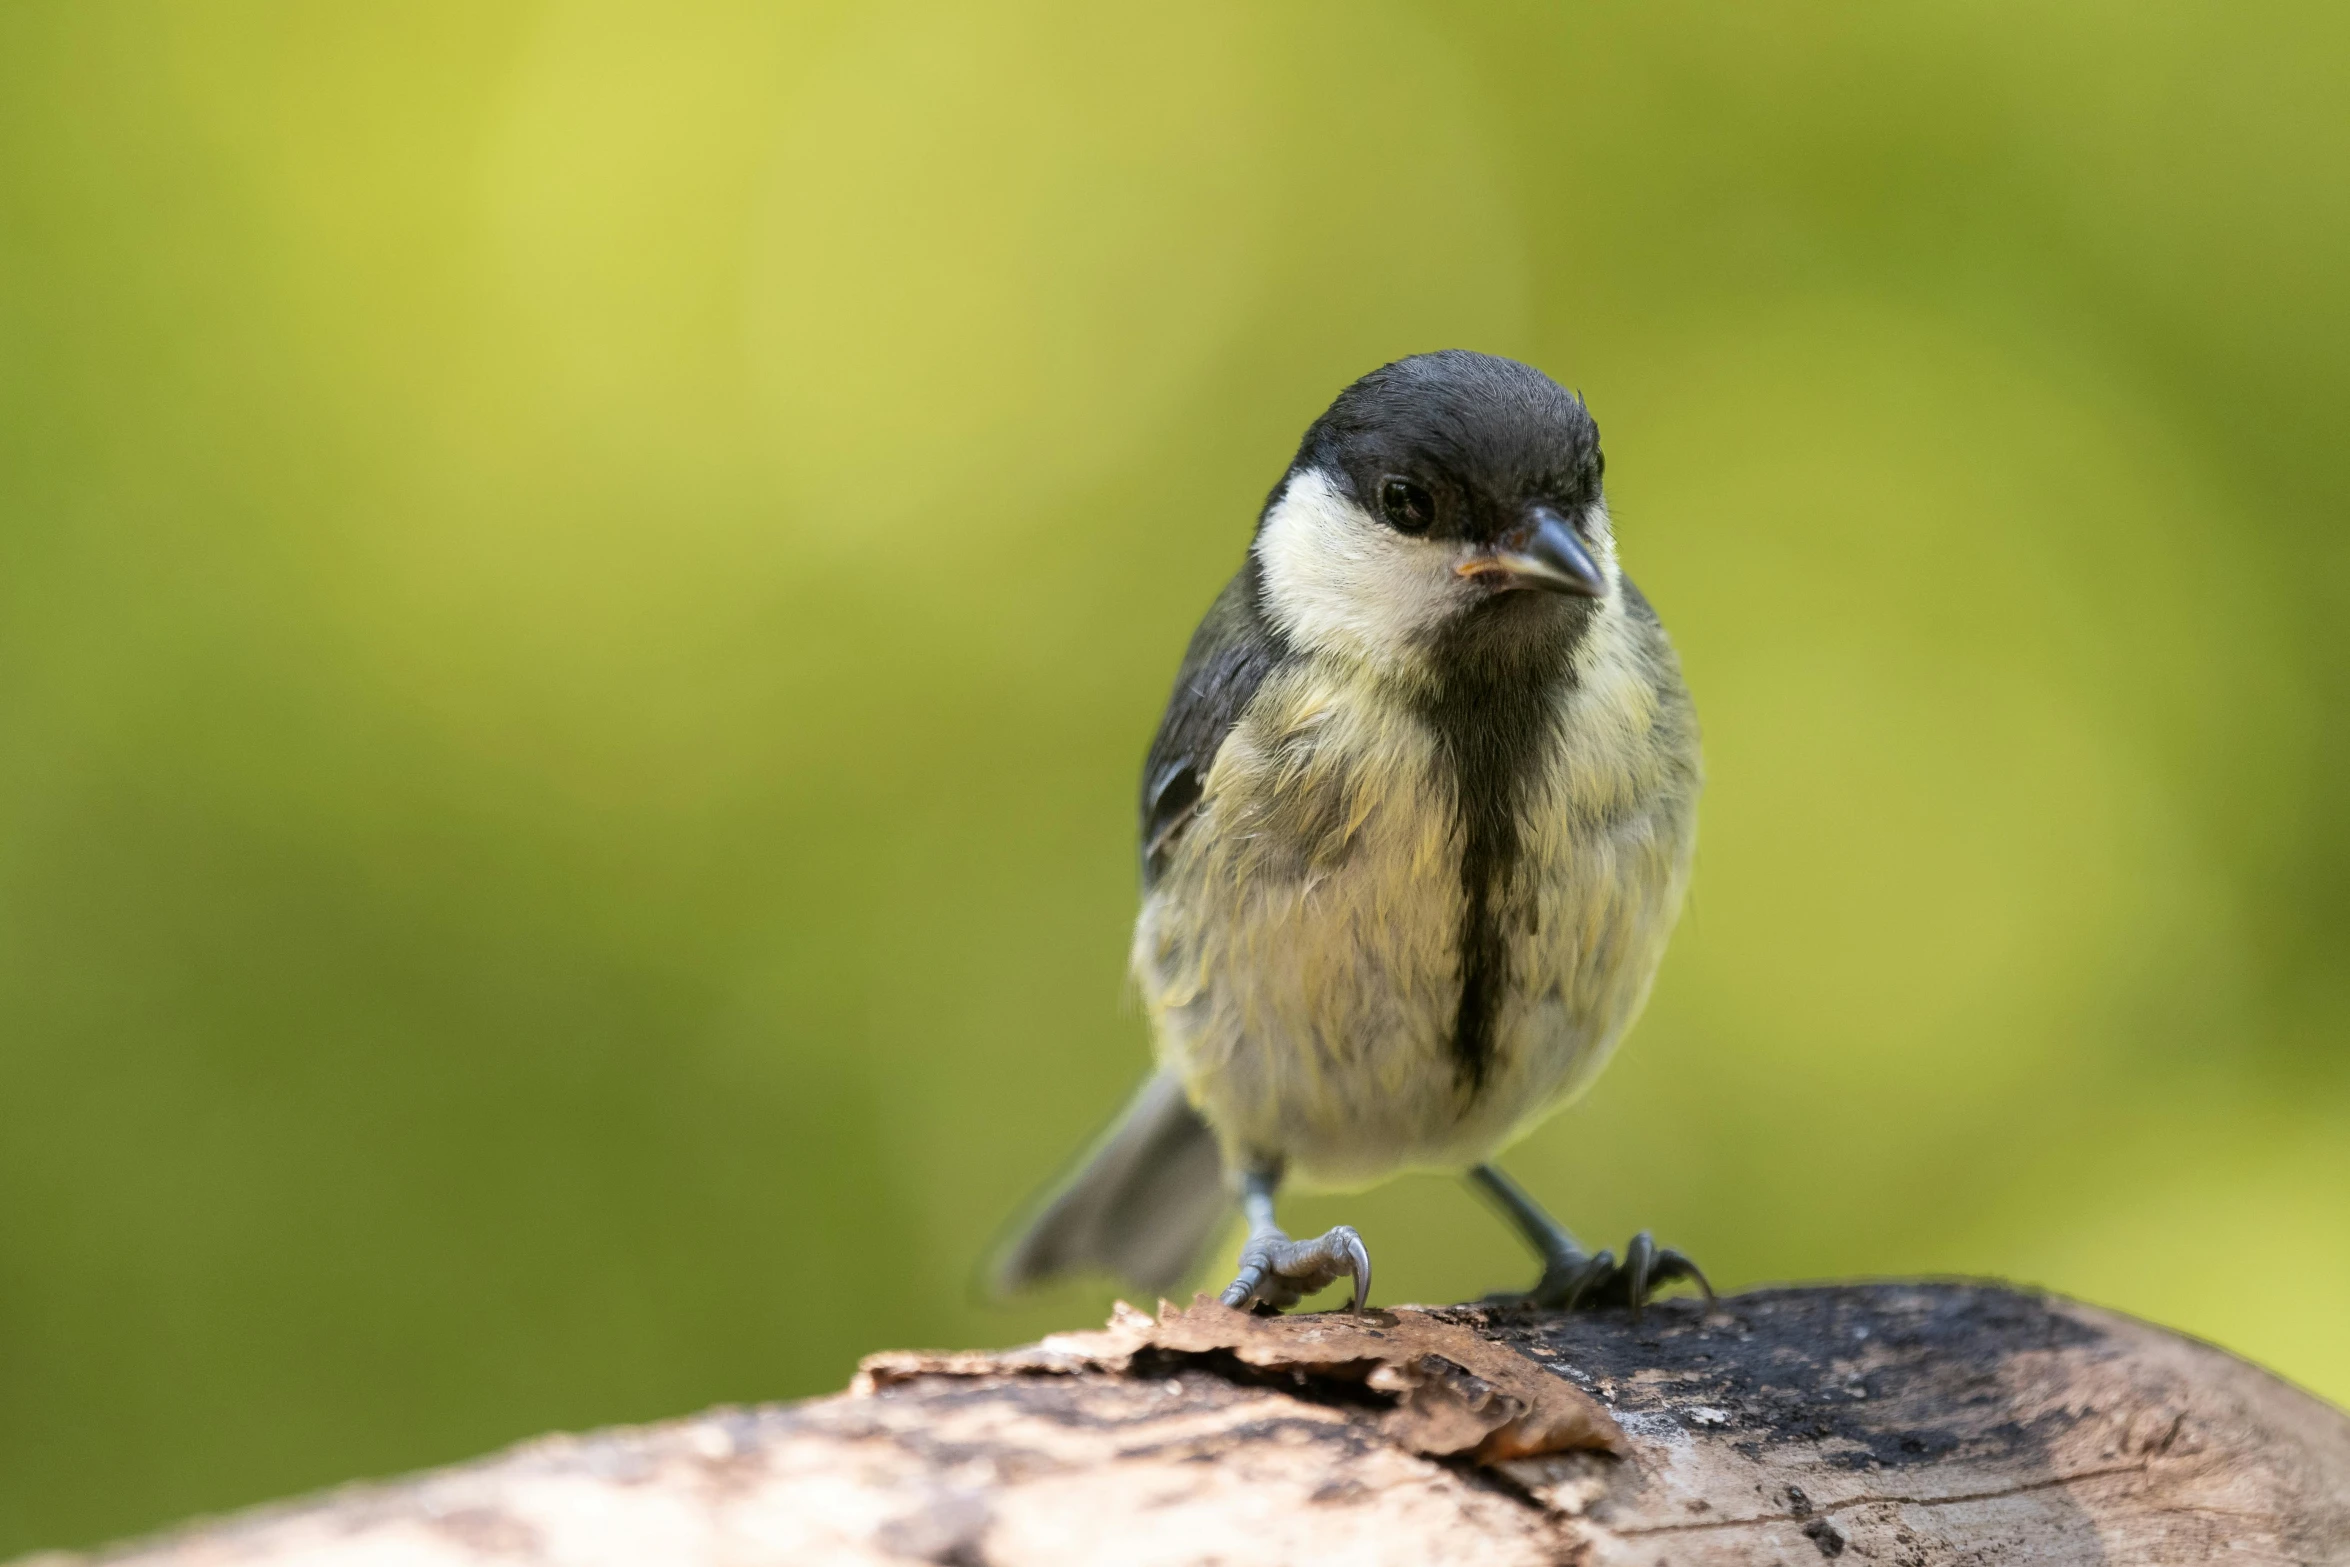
{"points": [[1503, 678]]}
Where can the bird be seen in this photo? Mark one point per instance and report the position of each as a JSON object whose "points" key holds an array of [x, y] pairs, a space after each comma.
{"points": [[1415, 829]]}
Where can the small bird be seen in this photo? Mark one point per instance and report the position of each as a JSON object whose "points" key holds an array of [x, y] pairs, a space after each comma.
{"points": [[1415, 829]]}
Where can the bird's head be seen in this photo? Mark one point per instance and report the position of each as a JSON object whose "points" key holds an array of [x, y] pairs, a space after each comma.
{"points": [[1443, 495]]}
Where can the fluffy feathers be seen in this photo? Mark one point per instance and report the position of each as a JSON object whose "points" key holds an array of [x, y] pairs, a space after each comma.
{"points": [[1415, 830]]}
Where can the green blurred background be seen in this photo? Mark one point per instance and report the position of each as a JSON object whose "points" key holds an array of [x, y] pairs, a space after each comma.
{"points": [[582, 589]]}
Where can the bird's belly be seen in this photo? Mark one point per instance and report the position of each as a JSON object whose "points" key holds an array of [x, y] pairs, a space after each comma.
{"points": [[1307, 990], [1309, 1017]]}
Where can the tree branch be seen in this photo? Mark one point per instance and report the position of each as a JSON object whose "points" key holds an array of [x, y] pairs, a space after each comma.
{"points": [[1910, 1423]]}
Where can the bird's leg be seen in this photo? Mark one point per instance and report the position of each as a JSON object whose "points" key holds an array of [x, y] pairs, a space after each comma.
{"points": [[1571, 1276], [1277, 1271]]}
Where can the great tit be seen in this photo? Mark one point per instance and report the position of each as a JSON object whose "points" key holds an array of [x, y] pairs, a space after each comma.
{"points": [[1415, 829]]}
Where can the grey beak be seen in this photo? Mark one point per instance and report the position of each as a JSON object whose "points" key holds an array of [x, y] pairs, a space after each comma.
{"points": [[1544, 552]]}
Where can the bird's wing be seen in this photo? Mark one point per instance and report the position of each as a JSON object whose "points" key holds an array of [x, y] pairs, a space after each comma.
{"points": [[1229, 657]]}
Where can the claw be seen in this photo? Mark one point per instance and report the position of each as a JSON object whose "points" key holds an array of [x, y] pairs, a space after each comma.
{"points": [[1563, 1284], [1358, 1257], [1589, 1278], [1237, 1292], [1639, 1256], [1277, 1271], [1671, 1265], [1569, 1274], [1574, 1281]]}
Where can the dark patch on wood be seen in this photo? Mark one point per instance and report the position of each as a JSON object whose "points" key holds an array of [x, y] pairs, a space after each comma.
{"points": [[1823, 1533], [1884, 1378], [1331, 1392]]}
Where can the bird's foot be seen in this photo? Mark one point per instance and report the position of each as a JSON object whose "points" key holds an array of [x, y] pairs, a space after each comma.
{"points": [[1577, 1281], [1277, 1271]]}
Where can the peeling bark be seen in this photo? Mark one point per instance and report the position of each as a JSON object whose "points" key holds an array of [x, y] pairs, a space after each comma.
{"points": [[1903, 1423]]}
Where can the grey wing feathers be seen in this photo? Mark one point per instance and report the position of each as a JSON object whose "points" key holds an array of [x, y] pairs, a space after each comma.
{"points": [[1144, 1205], [1151, 1194], [1230, 654]]}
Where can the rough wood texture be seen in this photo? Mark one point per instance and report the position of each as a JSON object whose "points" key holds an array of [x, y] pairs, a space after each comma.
{"points": [[1901, 1423]]}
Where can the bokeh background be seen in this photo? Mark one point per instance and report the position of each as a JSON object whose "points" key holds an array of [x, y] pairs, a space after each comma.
{"points": [[582, 587]]}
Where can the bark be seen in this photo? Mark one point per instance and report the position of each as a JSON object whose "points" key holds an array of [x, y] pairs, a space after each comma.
{"points": [[1901, 1423]]}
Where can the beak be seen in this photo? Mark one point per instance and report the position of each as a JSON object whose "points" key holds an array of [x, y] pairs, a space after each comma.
{"points": [[1542, 551]]}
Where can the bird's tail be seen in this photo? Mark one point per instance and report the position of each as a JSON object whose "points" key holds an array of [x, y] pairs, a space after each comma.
{"points": [[1144, 1205]]}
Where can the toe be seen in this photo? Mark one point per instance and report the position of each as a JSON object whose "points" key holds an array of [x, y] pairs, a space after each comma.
{"points": [[1279, 1272], [1259, 1269], [1671, 1265], [1591, 1281], [1568, 1281], [1639, 1259], [1358, 1263]]}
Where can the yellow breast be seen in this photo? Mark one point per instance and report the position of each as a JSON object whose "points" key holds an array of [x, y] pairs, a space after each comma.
{"points": [[1300, 953]]}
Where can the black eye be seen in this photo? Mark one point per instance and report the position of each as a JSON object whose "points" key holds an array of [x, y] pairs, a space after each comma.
{"points": [[1407, 507]]}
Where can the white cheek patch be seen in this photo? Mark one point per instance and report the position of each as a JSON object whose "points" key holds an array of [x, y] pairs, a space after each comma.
{"points": [[1338, 580], [1599, 530]]}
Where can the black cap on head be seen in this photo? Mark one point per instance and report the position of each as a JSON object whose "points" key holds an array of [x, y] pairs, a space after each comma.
{"points": [[1457, 444]]}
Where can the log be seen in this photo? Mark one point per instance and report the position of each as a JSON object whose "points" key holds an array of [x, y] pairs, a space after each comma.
{"points": [[1909, 1423]]}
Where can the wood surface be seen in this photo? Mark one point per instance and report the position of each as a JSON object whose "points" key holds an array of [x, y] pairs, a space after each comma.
{"points": [[1909, 1423]]}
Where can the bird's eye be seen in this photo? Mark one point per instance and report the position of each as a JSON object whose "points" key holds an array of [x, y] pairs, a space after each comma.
{"points": [[1407, 507]]}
